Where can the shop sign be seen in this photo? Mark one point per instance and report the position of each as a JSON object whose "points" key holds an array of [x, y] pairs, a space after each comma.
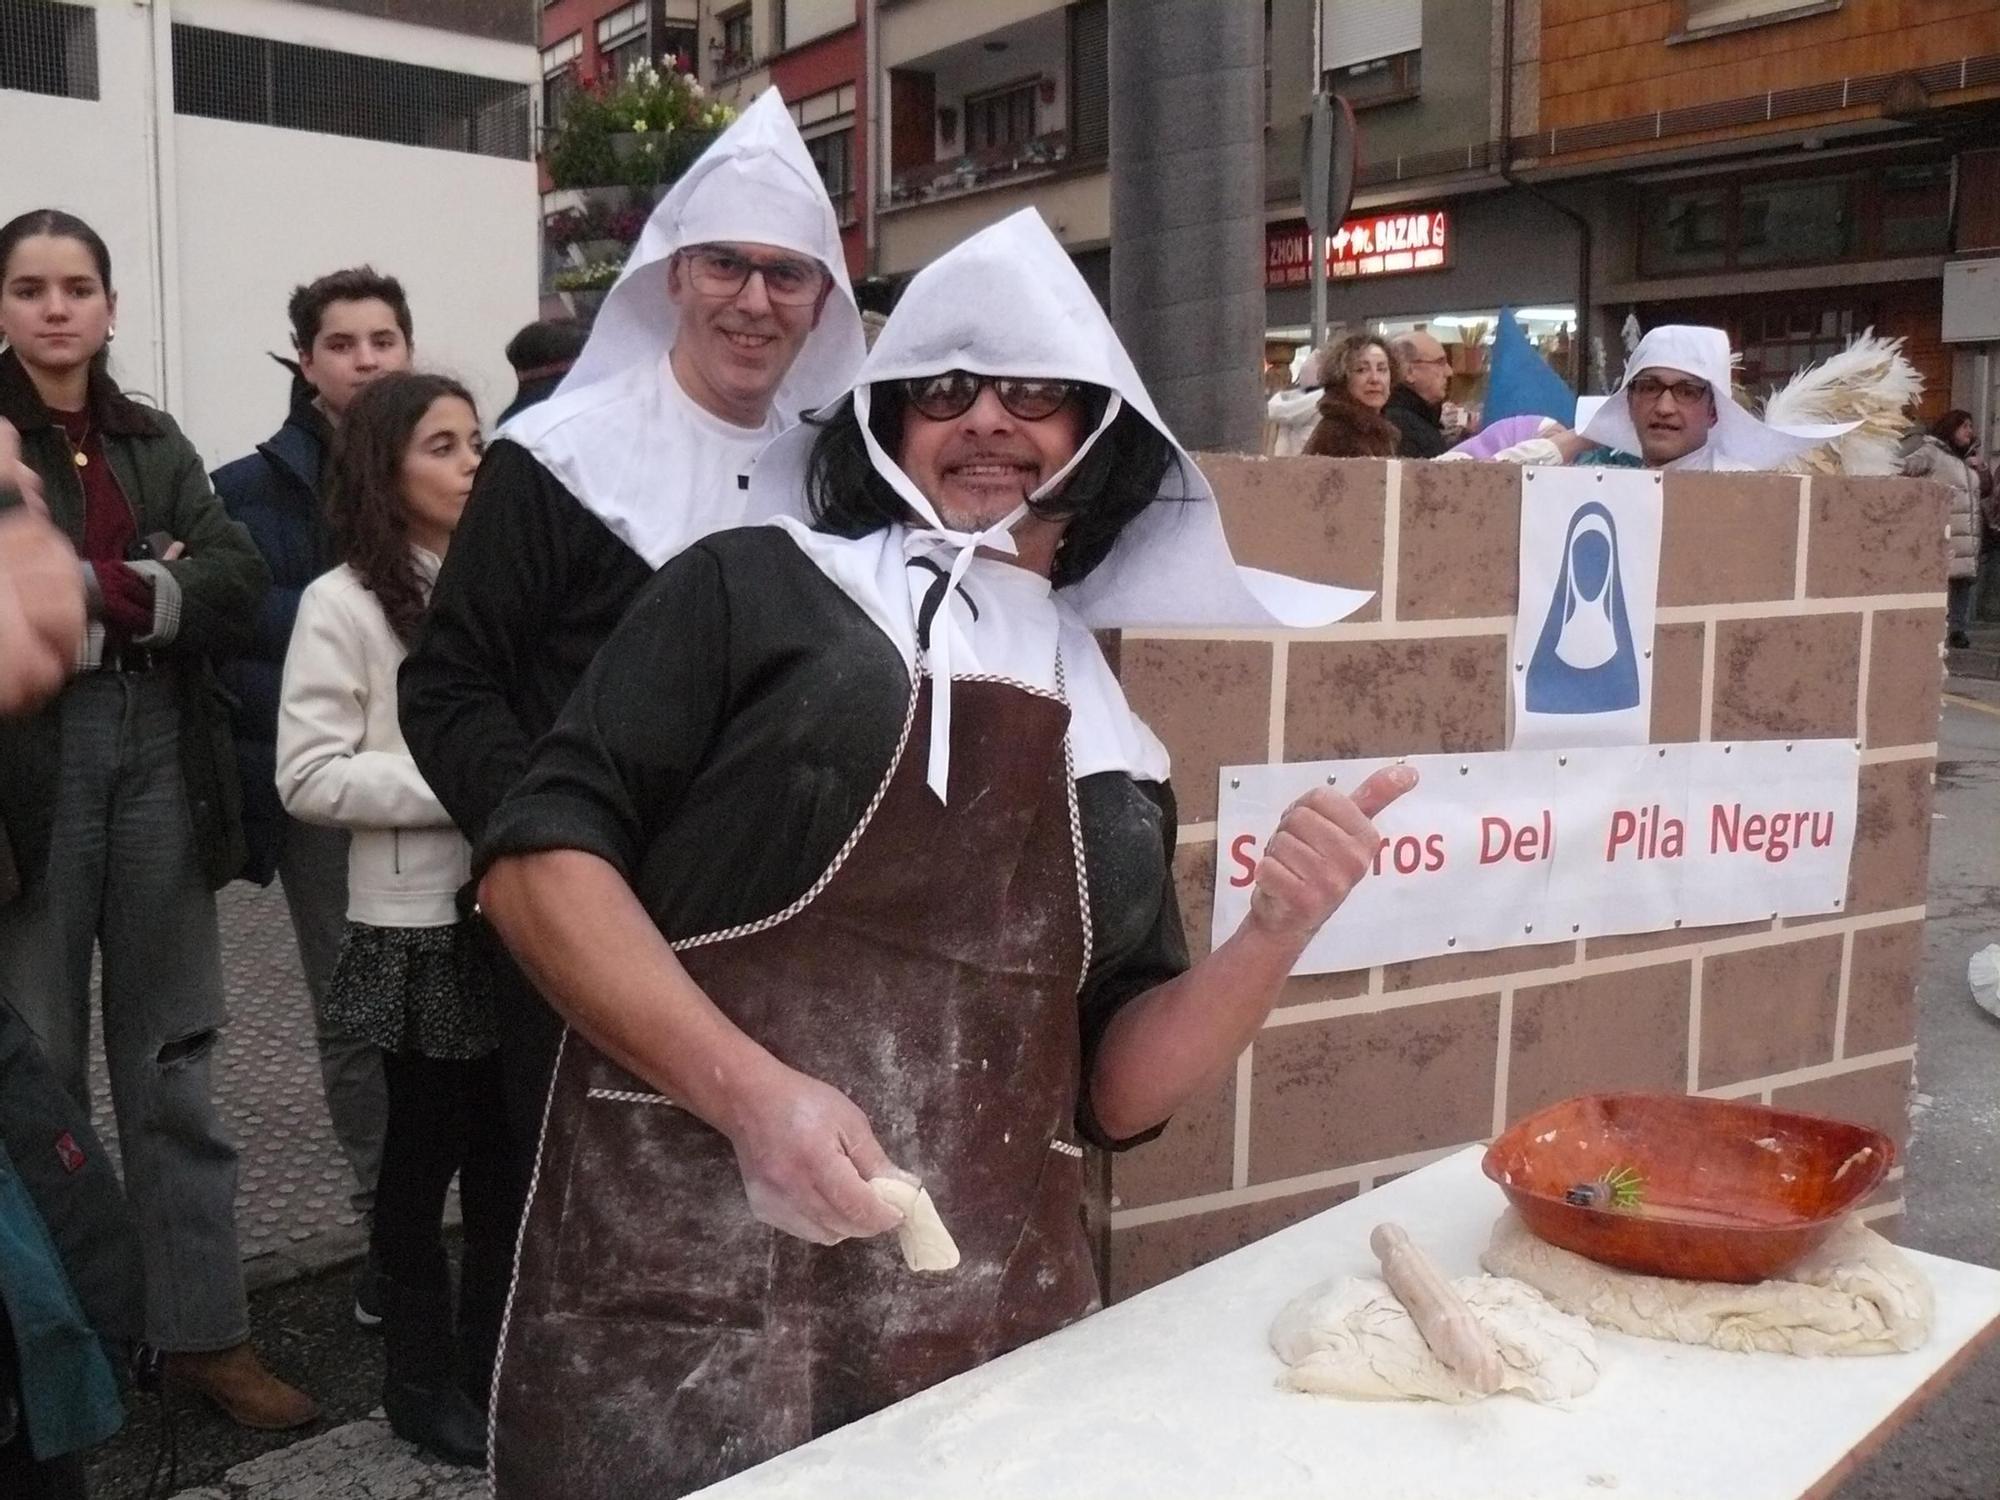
{"points": [[1380, 244], [1515, 847]]}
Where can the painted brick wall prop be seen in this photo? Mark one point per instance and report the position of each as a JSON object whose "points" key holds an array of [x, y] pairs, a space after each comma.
{"points": [[1788, 607]]}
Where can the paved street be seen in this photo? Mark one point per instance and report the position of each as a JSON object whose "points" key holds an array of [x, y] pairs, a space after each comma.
{"points": [[295, 1212]]}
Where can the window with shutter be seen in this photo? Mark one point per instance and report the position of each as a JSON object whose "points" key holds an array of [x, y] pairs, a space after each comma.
{"points": [[1089, 80]]}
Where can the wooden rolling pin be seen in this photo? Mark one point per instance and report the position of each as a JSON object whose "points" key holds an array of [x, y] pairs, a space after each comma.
{"points": [[1441, 1316]]}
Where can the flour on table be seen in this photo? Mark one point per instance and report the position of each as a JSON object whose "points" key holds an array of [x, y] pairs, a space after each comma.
{"points": [[926, 1244], [1855, 1294], [1351, 1337]]}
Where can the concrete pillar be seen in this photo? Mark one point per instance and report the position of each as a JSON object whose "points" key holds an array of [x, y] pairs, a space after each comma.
{"points": [[1187, 211]]}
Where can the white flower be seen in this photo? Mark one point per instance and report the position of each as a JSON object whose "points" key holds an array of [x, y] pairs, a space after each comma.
{"points": [[639, 127]]}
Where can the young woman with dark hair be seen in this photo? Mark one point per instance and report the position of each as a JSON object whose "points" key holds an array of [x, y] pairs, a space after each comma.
{"points": [[120, 797], [405, 979]]}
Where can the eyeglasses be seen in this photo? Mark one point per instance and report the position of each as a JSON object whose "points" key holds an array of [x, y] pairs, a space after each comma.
{"points": [[1685, 392], [943, 397], [718, 272]]}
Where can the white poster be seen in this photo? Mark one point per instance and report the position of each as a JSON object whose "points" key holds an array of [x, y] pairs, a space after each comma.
{"points": [[1583, 626], [1531, 846]]}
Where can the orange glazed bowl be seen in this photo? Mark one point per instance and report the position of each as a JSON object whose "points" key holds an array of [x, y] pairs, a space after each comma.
{"points": [[1675, 1185]]}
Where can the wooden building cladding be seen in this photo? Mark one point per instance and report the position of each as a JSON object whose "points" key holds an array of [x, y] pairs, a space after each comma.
{"points": [[1610, 60]]}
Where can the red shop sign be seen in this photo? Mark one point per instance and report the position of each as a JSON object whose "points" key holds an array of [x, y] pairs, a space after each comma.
{"points": [[1384, 244]]}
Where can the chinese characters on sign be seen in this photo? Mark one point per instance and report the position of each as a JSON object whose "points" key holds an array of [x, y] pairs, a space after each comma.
{"points": [[1383, 244]]}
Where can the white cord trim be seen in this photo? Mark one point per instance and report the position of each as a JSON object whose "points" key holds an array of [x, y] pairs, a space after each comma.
{"points": [[764, 924], [1067, 1149], [514, 1275], [631, 1096]]}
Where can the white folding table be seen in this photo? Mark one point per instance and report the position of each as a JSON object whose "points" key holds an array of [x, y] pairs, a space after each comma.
{"points": [[1174, 1394]]}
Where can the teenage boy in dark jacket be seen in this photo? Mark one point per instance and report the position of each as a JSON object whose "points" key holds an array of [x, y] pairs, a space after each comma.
{"points": [[348, 328]]}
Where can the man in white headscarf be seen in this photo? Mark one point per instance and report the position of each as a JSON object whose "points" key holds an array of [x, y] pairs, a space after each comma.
{"points": [[1673, 410], [850, 867], [733, 316]]}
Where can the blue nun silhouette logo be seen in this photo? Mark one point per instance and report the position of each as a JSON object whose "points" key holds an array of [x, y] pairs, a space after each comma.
{"points": [[1584, 662]]}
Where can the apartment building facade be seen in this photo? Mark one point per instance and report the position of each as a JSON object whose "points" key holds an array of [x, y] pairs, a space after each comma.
{"points": [[230, 149]]}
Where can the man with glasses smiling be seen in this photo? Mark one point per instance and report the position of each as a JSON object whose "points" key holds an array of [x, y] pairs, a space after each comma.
{"points": [[1674, 410], [732, 317]]}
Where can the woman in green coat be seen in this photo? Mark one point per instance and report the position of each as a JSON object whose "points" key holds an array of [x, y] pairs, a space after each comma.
{"points": [[119, 798]]}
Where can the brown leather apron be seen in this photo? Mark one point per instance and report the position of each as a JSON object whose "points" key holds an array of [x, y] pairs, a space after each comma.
{"points": [[659, 1338]]}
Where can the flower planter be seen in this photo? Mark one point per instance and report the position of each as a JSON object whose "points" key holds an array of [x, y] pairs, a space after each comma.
{"points": [[583, 303]]}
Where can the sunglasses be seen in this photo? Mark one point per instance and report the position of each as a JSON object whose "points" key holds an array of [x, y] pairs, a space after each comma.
{"points": [[717, 272], [940, 398]]}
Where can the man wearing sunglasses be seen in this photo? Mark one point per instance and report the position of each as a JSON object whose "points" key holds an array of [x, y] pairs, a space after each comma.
{"points": [[849, 864], [733, 316]]}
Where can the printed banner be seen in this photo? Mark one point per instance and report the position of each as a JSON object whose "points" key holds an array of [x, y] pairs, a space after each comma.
{"points": [[1583, 629], [1532, 846]]}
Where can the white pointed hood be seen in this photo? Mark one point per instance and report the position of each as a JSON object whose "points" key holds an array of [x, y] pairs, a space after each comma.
{"points": [[1009, 301], [600, 433], [1738, 440]]}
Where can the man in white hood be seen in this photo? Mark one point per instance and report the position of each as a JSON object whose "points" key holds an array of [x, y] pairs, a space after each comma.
{"points": [[732, 317], [849, 865], [1673, 410]]}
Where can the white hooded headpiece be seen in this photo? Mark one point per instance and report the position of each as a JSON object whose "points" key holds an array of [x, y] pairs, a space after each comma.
{"points": [[755, 184], [1009, 301], [1738, 440]]}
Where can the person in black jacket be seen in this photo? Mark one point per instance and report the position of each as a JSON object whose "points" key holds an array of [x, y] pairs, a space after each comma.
{"points": [[541, 355], [349, 328], [732, 317], [1416, 405]]}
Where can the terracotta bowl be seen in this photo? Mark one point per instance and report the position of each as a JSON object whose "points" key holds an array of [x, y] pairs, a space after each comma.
{"points": [[1724, 1191]]}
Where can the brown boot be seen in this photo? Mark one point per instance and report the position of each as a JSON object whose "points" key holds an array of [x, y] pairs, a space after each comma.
{"points": [[249, 1395]]}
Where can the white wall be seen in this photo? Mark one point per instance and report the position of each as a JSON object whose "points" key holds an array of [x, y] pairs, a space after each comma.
{"points": [[264, 209], [89, 156], [254, 210]]}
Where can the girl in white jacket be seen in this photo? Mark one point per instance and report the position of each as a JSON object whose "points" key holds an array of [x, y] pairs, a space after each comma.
{"points": [[406, 978]]}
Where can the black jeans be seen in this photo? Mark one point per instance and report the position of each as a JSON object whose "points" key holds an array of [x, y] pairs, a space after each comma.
{"points": [[447, 1118]]}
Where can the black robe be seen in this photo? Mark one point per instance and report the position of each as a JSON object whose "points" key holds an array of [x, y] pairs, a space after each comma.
{"points": [[729, 737]]}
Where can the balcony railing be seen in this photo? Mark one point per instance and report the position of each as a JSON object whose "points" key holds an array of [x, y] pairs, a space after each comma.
{"points": [[979, 170]]}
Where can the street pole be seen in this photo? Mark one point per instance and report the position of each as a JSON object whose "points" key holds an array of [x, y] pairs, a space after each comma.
{"points": [[1316, 236], [1187, 211]]}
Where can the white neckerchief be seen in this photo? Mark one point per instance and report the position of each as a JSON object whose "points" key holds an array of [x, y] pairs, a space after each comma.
{"points": [[961, 547], [999, 620]]}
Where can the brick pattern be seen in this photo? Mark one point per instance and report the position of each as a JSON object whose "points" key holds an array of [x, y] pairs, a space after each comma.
{"points": [[1787, 609]]}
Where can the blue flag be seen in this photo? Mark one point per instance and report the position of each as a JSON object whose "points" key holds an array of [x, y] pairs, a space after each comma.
{"points": [[1520, 382]]}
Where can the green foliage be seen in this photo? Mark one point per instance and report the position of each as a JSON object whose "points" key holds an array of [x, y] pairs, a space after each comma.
{"points": [[640, 131]]}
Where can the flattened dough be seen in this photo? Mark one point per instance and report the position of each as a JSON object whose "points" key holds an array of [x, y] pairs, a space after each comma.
{"points": [[1351, 1337], [926, 1244], [1855, 1294]]}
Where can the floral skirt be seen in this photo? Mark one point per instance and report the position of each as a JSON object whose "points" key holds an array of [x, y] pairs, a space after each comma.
{"points": [[413, 989]]}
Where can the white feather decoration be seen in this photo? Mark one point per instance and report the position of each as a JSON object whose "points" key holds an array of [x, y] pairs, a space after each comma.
{"points": [[1870, 382]]}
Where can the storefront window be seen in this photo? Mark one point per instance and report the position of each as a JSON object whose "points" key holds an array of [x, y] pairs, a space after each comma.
{"points": [[1779, 342], [1786, 222], [1687, 230]]}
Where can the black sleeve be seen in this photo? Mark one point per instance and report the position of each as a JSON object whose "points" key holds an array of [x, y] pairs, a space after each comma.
{"points": [[1122, 972], [502, 584], [614, 768]]}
